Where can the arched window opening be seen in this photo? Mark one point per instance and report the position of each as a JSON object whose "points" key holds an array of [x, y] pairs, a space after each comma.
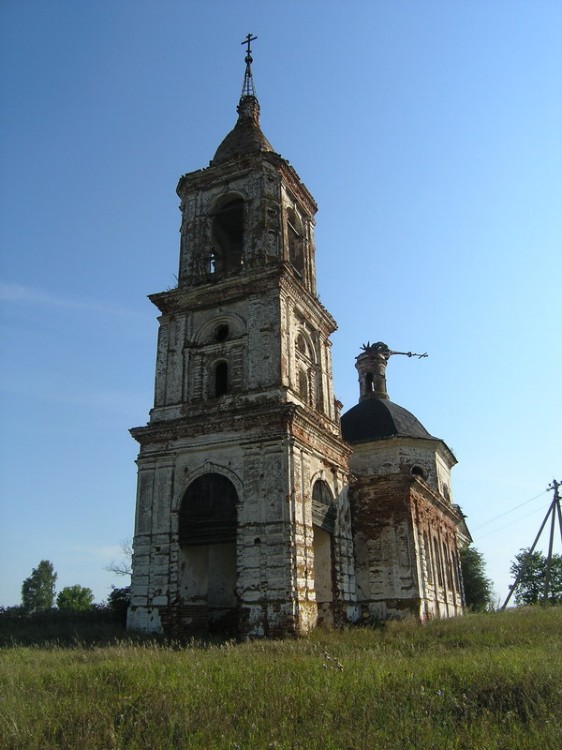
{"points": [[208, 511], [319, 392], [438, 562], [323, 575], [456, 577], [301, 345], [323, 506], [323, 523], [228, 234], [303, 385], [448, 568], [305, 348], [418, 471], [295, 236], [221, 378], [428, 561], [369, 387], [221, 332], [207, 537]]}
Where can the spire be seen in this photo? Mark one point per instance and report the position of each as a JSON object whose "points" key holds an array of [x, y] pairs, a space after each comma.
{"points": [[248, 106], [248, 88], [246, 137]]}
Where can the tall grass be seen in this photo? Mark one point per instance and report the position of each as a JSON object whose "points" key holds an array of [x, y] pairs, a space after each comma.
{"points": [[483, 681]]}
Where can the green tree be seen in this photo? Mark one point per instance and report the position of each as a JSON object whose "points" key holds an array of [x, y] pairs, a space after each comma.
{"points": [[478, 589], [529, 571], [38, 591], [118, 602], [75, 598]]}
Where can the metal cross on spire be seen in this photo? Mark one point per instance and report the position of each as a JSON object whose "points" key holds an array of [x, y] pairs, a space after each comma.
{"points": [[248, 88], [383, 349]]}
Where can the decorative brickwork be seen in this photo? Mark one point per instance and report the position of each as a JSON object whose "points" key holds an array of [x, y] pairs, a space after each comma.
{"points": [[246, 520]]}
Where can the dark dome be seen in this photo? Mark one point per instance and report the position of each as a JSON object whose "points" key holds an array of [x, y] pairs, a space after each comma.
{"points": [[246, 137], [375, 418]]}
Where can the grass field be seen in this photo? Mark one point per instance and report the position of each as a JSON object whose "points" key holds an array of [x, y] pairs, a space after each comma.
{"points": [[478, 682]]}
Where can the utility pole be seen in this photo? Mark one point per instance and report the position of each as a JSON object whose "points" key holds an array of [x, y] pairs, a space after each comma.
{"points": [[554, 512]]}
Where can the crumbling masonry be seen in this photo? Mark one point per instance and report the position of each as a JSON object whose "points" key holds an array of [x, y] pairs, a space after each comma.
{"points": [[255, 516]]}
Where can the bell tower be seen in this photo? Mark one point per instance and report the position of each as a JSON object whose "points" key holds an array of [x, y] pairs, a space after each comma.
{"points": [[242, 520]]}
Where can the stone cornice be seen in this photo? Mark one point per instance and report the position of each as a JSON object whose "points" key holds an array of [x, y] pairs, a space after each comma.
{"points": [[213, 293], [239, 168], [246, 283], [201, 179], [272, 419], [212, 422], [437, 444], [429, 495], [411, 483]]}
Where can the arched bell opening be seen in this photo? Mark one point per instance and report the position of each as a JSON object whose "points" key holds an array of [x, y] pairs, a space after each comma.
{"points": [[227, 231], [296, 241], [207, 537], [323, 525]]}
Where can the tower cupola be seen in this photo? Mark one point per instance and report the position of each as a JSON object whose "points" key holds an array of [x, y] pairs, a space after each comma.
{"points": [[371, 366], [376, 417], [246, 137]]}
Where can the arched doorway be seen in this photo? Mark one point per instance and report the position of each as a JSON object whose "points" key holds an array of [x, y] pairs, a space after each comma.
{"points": [[323, 523], [207, 537]]}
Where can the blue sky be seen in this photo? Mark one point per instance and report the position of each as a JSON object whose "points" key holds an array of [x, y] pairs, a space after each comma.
{"points": [[430, 135]]}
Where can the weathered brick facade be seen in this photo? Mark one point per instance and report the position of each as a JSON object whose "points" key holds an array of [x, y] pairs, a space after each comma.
{"points": [[406, 549], [246, 518], [405, 528]]}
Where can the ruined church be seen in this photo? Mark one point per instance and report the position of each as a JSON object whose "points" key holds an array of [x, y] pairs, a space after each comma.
{"points": [[261, 511]]}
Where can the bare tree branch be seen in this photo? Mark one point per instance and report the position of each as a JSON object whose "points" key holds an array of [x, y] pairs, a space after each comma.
{"points": [[122, 567]]}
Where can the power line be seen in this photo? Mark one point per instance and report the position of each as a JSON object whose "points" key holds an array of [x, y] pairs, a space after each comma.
{"points": [[511, 523], [556, 515], [501, 515]]}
